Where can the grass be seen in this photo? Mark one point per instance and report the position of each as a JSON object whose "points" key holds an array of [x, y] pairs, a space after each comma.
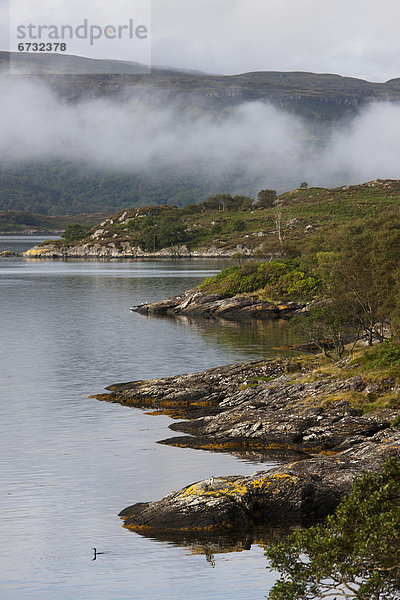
{"points": [[379, 368]]}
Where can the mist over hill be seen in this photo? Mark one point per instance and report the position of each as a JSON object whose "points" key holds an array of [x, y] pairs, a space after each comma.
{"points": [[101, 142]]}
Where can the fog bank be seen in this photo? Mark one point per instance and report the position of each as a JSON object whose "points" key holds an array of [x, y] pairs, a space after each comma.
{"points": [[254, 144]]}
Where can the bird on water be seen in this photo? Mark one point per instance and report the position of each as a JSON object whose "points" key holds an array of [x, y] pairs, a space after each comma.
{"points": [[96, 553]]}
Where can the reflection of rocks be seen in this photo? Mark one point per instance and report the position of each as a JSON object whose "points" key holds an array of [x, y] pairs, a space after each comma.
{"points": [[304, 489], [222, 542], [245, 306]]}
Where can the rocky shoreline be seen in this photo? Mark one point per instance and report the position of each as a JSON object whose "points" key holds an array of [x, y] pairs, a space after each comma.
{"points": [[195, 303], [277, 407], [125, 250]]}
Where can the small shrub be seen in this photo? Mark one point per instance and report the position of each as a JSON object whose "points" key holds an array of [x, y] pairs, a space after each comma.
{"points": [[383, 355]]}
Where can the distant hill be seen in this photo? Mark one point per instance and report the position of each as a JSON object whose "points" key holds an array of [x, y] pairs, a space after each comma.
{"points": [[324, 97]]}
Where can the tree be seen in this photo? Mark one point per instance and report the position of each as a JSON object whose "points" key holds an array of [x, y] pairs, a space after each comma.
{"points": [[166, 230], [266, 198], [281, 226], [243, 202], [303, 185], [328, 328], [355, 554], [365, 275]]}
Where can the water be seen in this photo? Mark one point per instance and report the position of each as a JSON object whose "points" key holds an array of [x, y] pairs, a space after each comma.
{"points": [[69, 463]]}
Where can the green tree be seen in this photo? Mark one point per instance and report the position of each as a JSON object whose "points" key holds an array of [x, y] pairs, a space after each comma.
{"points": [[243, 202], [328, 328], [303, 185], [162, 231], [355, 554], [365, 275], [265, 198]]}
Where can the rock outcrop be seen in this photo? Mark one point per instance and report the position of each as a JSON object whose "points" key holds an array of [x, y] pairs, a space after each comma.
{"points": [[125, 250], [195, 303], [278, 407], [304, 489]]}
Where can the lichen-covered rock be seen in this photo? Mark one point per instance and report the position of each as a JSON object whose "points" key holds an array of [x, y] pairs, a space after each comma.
{"points": [[263, 406], [98, 248], [305, 489]]}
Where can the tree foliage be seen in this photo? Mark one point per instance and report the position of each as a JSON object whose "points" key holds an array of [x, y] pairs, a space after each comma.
{"points": [[355, 554], [162, 231], [266, 198]]}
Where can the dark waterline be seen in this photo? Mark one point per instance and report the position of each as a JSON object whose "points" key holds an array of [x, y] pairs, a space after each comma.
{"points": [[70, 463]]}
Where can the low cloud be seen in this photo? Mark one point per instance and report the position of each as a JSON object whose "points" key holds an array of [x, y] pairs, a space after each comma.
{"points": [[252, 145]]}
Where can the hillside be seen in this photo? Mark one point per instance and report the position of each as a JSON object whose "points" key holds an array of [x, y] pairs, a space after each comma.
{"points": [[61, 187], [300, 222], [324, 97]]}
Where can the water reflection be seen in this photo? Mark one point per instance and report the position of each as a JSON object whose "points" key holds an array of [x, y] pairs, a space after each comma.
{"points": [[270, 336], [223, 543]]}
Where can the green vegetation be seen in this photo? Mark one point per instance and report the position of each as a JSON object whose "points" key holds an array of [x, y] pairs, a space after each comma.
{"points": [[266, 198], [382, 356], [377, 367], [157, 233], [354, 554], [340, 247], [75, 232], [302, 223], [360, 285], [275, 280]]}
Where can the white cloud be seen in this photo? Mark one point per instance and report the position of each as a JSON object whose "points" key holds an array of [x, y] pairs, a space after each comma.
{"points": [[253, 145]]}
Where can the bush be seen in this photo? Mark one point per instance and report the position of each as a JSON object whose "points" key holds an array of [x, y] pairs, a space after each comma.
{"points": [[75, 232], [276, 279], [383, 355], [239, 225]]}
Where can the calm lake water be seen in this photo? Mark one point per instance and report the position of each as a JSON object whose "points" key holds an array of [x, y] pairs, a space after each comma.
{"points": [[69, 463]]}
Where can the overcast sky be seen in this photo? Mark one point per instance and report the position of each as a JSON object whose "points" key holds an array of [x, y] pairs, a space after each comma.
{"points": [[357, 38], [350, 37]]}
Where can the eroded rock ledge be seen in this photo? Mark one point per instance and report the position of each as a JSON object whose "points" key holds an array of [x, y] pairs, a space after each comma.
{"points": [[245, 306], [278, 406]]}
